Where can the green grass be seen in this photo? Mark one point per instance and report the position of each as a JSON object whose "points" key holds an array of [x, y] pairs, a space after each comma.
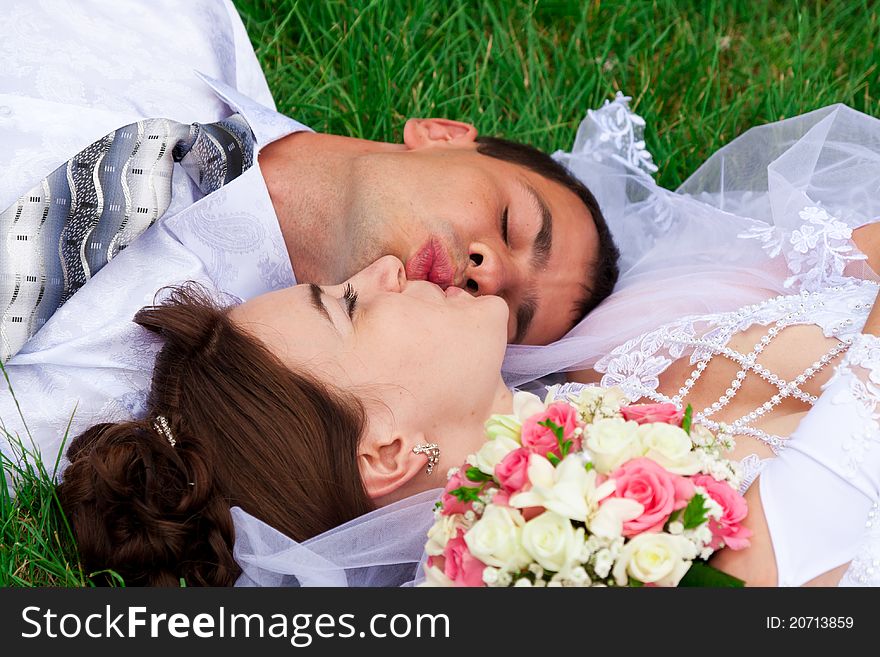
{"points": [[699, 72]]}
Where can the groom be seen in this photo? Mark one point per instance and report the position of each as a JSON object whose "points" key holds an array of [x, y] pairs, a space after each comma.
{"points": [[491, 216]]}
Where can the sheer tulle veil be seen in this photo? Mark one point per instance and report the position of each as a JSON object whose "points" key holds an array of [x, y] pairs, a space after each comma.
{"points": [[744, 227]]}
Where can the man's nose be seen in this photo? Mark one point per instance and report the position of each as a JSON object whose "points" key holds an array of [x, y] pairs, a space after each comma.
{"points": [[485, 270]]}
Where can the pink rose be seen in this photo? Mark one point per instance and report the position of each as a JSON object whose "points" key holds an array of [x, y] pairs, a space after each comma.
{"points": [[727, 530], [451, 504], [501, 498], [542, 440], [645, 413], [460, 565], [513, 470], [655, 488]]}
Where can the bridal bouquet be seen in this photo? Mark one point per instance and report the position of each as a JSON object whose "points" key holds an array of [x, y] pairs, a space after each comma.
{"points": [[586, 490]]}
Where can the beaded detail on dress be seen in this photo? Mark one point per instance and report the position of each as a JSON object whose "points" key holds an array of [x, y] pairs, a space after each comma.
{"points": [[636, 365]]}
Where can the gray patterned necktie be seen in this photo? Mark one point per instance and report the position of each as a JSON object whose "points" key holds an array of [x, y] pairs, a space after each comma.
{"points": [[74, 221]]}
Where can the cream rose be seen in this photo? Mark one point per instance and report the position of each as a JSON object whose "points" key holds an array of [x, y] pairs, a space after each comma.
{"points": [[495, 539], [654, 558], [669, 446], [493, 452], [552, 541], [503, 426], [612, 442]]}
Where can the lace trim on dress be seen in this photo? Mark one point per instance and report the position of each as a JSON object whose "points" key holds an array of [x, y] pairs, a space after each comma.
{"points": [[817, 251]]}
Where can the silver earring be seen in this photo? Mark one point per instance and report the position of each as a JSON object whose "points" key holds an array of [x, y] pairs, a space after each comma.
{"points": [[432, 451]]}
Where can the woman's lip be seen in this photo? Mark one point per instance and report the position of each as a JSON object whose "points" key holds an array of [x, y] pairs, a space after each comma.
{"points": [[431, 263]]}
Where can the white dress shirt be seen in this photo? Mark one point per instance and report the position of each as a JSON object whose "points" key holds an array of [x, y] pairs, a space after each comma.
{"points": [[73, 73]]}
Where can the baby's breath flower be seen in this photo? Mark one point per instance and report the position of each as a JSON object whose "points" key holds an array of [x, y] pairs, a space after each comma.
{"points": [[579, 576], [602, 562], [523, 582], [490, 575], [676, 527]]}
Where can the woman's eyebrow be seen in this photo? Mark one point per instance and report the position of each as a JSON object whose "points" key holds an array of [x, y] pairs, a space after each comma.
{"points": [[317, 299]]}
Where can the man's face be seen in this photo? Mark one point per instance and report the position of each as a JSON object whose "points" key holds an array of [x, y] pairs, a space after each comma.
{"points": [[457, 217]]}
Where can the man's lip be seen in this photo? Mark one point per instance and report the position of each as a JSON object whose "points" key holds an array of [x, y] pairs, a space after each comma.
{"points": [[431, 263]]}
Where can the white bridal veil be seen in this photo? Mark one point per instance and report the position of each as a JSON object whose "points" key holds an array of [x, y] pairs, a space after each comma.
{"points": [[743, 228]]}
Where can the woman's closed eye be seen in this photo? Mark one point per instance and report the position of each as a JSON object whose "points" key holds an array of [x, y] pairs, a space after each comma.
{"points": [[350, 296]]}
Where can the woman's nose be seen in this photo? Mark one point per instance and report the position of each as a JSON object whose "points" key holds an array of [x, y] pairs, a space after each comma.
{"points": [[485, 271], [387, 274]]}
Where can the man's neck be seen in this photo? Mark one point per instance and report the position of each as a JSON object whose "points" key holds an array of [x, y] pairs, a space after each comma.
{"points": [[307, 175]]}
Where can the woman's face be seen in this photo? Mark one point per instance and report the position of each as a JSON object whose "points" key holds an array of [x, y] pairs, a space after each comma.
{"points": [[422, 359]]}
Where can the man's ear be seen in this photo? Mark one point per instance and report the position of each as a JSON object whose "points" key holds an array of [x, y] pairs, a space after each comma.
{"points": [[387, 463], [427, 133]]}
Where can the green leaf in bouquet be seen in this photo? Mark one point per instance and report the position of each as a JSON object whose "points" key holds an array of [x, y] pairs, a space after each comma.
{"points": [[553, 459], [694, 512], [634, 583], [566, 448], [555, 428], [476, 475], [466, 494], [589, 466], [702, 574], [688, 419]]}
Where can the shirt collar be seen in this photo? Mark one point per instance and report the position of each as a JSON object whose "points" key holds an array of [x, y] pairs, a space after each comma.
{"points": [[266, 124]]}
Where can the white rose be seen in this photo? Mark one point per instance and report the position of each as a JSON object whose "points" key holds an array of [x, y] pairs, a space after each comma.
{"points": [[612, 442], [669, 446], [495, 539], [655, 558], [493, 452], [552, 541]]}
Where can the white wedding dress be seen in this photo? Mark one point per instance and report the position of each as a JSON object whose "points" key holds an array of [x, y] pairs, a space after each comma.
{"points": [[759, 235]]}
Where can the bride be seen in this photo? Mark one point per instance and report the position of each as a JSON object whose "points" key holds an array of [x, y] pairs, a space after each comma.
{"points": [[307, 407], [740, 295]]}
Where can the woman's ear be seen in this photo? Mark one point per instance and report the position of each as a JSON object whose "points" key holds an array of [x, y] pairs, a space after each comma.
{"points": [[388, 463], [428, 133]]}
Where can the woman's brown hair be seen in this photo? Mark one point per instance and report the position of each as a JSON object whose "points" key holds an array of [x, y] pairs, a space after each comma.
{"points": [[248, 431]]}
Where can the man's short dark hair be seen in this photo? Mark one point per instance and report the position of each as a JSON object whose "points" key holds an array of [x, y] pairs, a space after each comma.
{"points": [[605, 270]]}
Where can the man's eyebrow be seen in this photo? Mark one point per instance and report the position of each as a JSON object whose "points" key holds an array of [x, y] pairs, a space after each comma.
{"points": [[524, 315], [318, 303], [544, 239]]}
